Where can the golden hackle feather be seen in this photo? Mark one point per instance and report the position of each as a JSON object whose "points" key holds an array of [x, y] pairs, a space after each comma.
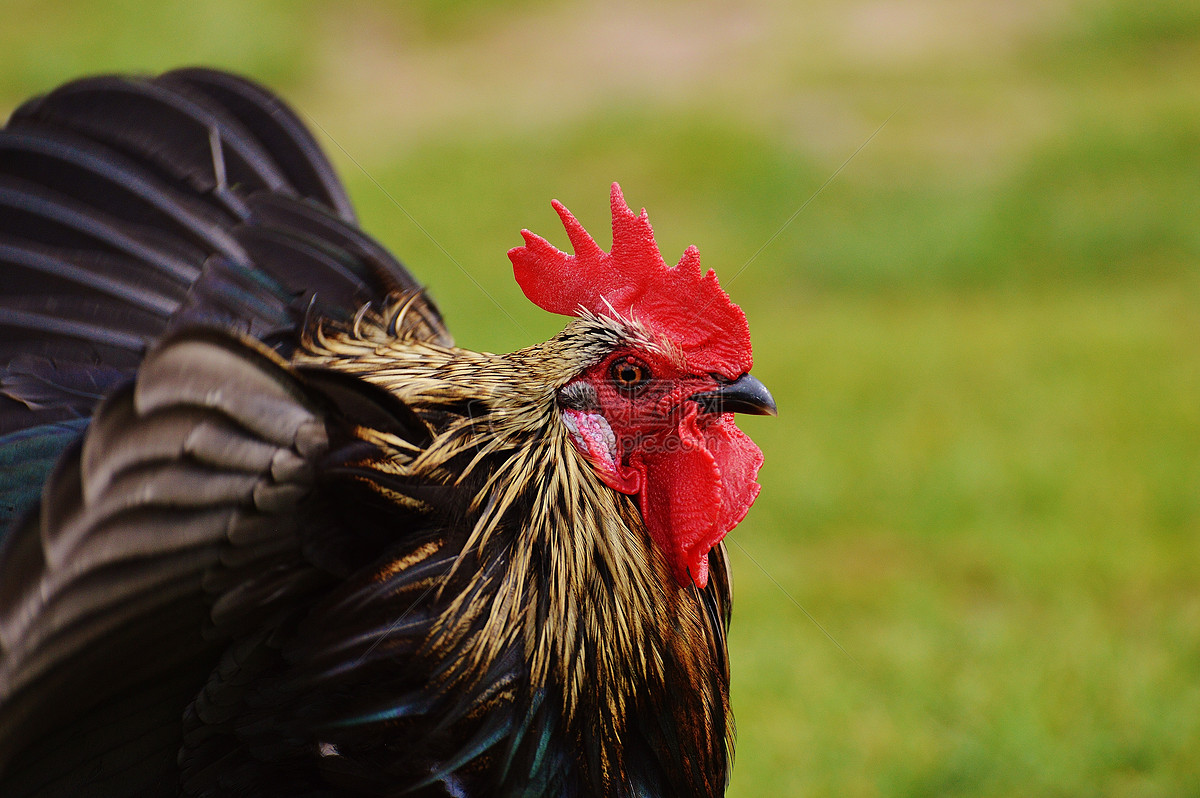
{"points": [[614, 617]]}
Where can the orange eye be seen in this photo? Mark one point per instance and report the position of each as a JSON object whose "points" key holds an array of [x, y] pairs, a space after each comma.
{"points": [[629, 374]]}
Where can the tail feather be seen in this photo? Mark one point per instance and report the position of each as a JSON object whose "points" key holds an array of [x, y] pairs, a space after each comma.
{"points": [[130, 207], [280, 131], [182, 135], [101, 178], [251, 302], [43, 215], [311, 221], [33, 269], [306, 270]]}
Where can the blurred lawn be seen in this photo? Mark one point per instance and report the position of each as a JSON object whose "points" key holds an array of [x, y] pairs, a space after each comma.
{"points": [[982, 334]]}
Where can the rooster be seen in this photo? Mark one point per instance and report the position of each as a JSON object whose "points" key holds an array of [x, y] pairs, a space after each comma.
{"points": [[269, 532]]}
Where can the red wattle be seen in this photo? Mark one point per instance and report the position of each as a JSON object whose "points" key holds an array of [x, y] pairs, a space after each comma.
{"points": [[699, 483]]}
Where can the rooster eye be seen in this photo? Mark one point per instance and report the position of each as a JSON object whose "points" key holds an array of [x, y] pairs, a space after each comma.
{"points": [[629, 374]]}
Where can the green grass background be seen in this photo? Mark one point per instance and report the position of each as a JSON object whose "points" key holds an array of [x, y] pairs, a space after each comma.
{"points": [[975, 566]]}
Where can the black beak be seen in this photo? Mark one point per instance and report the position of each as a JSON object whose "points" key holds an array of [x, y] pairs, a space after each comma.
{"points": [[743, 395]]}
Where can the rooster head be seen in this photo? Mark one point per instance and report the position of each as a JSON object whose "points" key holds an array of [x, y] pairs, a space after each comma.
{"points": [[654, 414]]}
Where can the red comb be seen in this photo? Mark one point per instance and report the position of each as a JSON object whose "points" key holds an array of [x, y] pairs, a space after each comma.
{"points": [[680, 303]]}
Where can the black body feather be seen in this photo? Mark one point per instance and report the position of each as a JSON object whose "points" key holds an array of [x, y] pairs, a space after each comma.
{"points": [[238, 560]]}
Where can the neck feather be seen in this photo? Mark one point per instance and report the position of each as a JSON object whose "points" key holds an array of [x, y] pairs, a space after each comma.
{"points": [[554, 563]]}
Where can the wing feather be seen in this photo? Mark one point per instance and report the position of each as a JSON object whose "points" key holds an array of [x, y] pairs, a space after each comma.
{"points": [[163, 243], [196, 469]]}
